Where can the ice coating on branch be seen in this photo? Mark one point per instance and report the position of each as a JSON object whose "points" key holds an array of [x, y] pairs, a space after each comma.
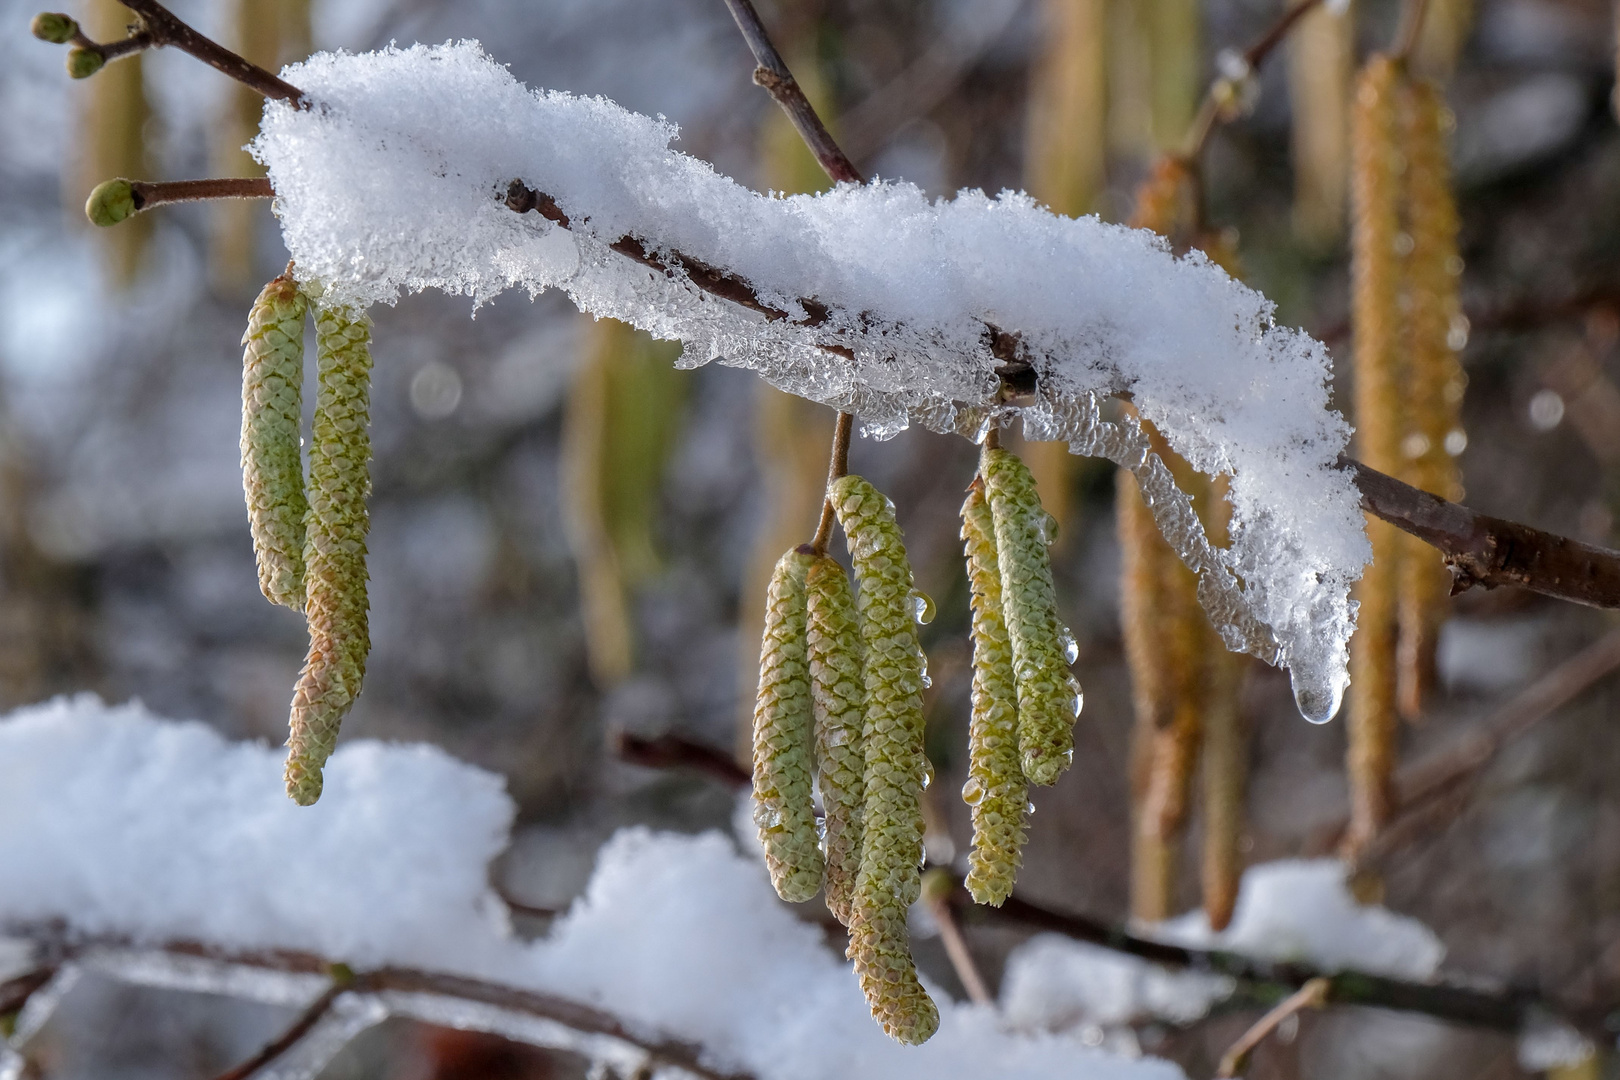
{"points": [[394, 182]]}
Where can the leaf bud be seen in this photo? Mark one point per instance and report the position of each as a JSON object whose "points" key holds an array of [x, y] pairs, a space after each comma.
{"points": [[110, 202], [83, 63], [55, 27]]}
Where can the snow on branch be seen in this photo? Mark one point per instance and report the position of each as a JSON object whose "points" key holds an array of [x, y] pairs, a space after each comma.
{"points": [[872, 299]]}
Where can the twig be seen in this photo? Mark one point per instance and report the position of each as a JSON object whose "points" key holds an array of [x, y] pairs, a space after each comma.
{"points": [[1313, 995], [149, 194], [839, 466], [289, 1038], [1211, 111], [164, 28], [774, 76], [939, 905], [1411, 27], [673, 752], [1491, 552], [15, 992]]}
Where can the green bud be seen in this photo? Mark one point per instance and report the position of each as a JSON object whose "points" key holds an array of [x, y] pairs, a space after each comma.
{"points": [[54, 27], [83, 63], [110, 203]]}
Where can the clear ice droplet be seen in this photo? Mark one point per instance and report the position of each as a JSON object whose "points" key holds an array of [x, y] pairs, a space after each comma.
{"points": [[1071, 647], [1318, 699], [922, 607], [1049, 530], [972, 792], [927, 774]]}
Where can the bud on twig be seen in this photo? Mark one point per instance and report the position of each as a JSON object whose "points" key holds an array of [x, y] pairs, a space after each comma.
{"points": [[83, 63], [110, 202], [54, 27]]}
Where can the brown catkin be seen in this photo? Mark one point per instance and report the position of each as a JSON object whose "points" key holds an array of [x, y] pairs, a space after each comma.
{"points": [[1434, 385], [1375, 300], [1224, 745], [272, 462], [1164, 197], [890, 878], [995, 791], [784, 763], [838, 703], [334, 548]]}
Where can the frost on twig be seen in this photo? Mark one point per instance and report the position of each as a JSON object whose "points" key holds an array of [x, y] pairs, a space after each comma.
{"points": [[870, 298]]}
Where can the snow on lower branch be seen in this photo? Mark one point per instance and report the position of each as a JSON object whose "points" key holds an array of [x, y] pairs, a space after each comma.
{"points": [[118, 823], [870, 298]]}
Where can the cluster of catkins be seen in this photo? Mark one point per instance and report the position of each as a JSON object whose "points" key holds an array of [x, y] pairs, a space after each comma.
{"points": [[840, 709], [310, 536]]}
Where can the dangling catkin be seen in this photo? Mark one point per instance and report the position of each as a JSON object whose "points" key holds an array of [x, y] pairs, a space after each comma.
{"points": [[272, 463], [995, 792], [1048, 699], [334, 548], [838, 699], [1434, 386], [784, 806], [1375, 281], [890, 879], [1223, 743]]}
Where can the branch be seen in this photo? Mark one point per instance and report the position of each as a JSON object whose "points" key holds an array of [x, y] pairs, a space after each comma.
{"points": [[773, 74], [289, 1038], [1219, 102], [670, 751], [164, 28], [1491, 552], [1313, 995]]}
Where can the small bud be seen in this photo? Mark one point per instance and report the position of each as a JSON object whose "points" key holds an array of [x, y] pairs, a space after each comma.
{"points": [[54, 27], [110, 202], [83, 63]]}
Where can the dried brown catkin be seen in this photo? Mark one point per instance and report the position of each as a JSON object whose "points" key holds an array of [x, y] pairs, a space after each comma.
{"points": [[838, 702], [272, 460], [1375, 302], [1224, 745], [890, 878], [996, 792], [784, 769], [334, 548], [1434, 384]]}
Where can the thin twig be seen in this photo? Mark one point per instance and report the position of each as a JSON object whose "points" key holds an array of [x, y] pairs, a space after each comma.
{"points": [[289, 1038], [839, 466], [165, 28], [1210, 112], [956, 950], [1411, 27], [773, 74], [673, 752], [1313, 995], [150, 194]]}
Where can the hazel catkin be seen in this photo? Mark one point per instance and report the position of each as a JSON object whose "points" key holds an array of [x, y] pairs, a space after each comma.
{"points": [[995, 791], [838, 705], [1048, 697], [272, 462], [891, 843], [784, 807], [334, 548]]}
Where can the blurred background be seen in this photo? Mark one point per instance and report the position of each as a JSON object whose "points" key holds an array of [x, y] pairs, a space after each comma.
{"points": [[570, 539]]}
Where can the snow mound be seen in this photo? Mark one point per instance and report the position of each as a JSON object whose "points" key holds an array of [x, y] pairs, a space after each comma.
{"points": [[881, 302]]}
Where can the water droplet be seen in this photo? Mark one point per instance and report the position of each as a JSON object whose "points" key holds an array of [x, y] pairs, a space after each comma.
{"points": [[972, 792], [922, 607], [888, 504], [1318, 699], [927, 774], [1079, 700], [821, 829], [1049, 529], [1029, 808], [1071, 647], [922, 661], [838, 736]]}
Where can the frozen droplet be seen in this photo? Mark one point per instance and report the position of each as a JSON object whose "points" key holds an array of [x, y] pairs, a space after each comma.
{"points": [[1078, 702], [922, 607], [922, 669], [1029, 808], [927, 776], [1071, 648], [888, 504], [1068, 756], [821, 829], [972, 791], [1048, 529], [1318, 699]]}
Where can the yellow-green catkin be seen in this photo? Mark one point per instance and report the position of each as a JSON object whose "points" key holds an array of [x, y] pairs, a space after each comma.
{"points": [[784, 766], [272, 464], [334, 547], [838, 703], [1048, 697], [996, 792], [1375, 301], [890, 878], [1434, 384]]}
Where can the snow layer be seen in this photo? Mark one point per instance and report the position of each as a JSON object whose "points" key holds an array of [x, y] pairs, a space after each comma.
{"points": [[1299, 909], [120, 823], [1055, 983], [393, 181]]}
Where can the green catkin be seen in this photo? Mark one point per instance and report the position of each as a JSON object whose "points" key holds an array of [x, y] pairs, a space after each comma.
{"points": [[996, 791], [272, 464], [1048, 697], [334, 548], [890, 878], [784, 803], [838, 699]]}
